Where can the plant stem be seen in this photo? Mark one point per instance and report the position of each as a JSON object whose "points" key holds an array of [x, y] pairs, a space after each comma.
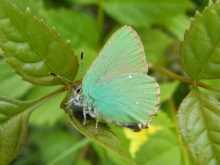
{"points": [[52, 94], [184, 79], [100, 20]]}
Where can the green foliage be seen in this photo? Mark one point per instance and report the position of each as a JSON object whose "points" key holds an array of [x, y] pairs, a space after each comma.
{"points": [[167, 90], [162, 147], [198, 116], [155, 43], [144, 13], [14, 117], [178, 24], [45, 115], [34, 48], [200, 57], [8, 78], [27, 36]]}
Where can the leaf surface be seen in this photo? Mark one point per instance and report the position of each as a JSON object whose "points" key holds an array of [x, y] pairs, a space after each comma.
{"points": [[200, 50], [162, 147], [14, 117], [167, 90], [34, 50], [155, 43], [199, 117], [11, 84], [144, 13]]}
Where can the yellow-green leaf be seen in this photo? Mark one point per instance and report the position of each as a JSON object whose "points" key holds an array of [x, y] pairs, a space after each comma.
{"points": [[167, 90], [199, 117], [141, 13]]}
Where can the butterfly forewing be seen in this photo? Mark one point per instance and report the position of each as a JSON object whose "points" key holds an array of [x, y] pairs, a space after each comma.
{"points": [[123, 53]]}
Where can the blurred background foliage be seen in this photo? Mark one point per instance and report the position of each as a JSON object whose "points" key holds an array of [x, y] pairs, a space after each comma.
{"points": [[88, 24]]}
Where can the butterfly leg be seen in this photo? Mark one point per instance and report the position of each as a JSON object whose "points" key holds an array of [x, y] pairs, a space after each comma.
{"points": [[96, 126], [69, 103], [85, 111]]}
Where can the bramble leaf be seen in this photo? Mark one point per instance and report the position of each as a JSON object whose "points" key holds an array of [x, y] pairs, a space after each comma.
{"points": [[200, 50], [82, 37], [199, 116], [34, 50]]}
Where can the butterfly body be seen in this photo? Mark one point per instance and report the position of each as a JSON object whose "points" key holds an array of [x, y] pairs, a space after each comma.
{"points": [[116, 87]]}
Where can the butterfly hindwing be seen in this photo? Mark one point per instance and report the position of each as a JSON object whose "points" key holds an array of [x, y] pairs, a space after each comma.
{"points": [[126, 98]]}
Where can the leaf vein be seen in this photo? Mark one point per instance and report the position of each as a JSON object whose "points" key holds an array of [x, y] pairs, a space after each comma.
{"points": [[202, 111]]}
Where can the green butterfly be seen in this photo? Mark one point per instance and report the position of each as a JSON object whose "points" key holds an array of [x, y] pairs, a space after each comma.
{"points": [[116, 86]]}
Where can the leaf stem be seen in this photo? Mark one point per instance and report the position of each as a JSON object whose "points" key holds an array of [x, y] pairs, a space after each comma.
{"points": [[100, 20], [184, 79], [42, 100]]}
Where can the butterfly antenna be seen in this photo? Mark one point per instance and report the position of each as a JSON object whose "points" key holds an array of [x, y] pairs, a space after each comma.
{"points": [[53, 74], [81, 66]]}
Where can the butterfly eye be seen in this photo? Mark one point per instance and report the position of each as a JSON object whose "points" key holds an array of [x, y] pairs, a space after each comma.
{"points": [[78, 90]]}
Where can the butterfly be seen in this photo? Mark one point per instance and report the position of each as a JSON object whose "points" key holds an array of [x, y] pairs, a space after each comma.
{"points": [[116, 86]]}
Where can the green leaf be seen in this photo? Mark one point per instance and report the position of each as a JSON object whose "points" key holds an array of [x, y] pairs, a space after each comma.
{"points": [[49, 113], [167, 90], [145, 13], [34, 5], [105, 137], [162, 120], [85, 2], [178, 24], [1, 54], [60, 147], [124, 146], [14, 117], [214, 83], [162, 147], [83, 162], [11, 84], [82, 37], [34, 50], [199, 117], [200, 56], [155, 43]]}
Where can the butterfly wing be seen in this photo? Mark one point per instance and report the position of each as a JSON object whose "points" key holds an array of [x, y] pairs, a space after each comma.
{"points": [[123, 53], [127, 98], [118, 83]]}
